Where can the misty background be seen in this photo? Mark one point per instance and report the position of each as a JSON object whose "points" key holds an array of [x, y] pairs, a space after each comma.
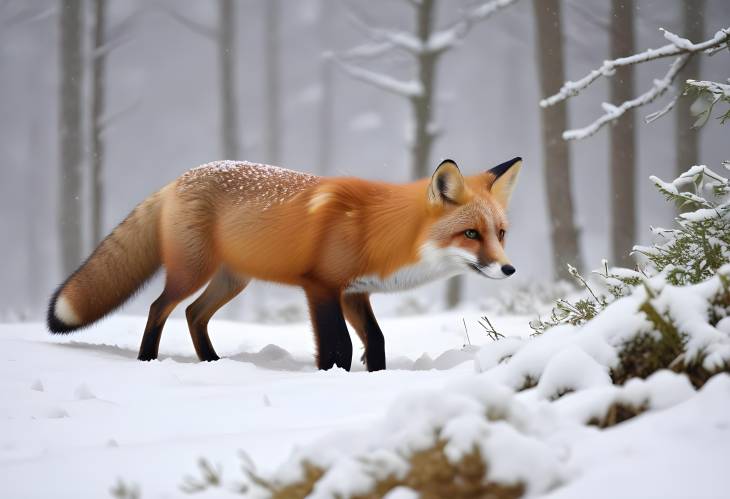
{"points": [[162, 114]]}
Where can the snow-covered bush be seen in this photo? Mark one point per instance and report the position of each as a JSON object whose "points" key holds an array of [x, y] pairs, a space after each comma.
{"points": [[504, 431], [700, 245], [475, 438], [688, 254]]}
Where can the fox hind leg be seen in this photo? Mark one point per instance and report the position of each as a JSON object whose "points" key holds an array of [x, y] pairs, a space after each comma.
{"points": [[223, 287], [179, 284], [161, 309], [159, 312]]}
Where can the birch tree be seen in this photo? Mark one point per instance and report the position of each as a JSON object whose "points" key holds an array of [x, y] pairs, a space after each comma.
{"points": [[556, 154], [70, 131], [622, 138]]}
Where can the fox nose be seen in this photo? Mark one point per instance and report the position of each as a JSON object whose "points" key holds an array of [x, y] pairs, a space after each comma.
{"points": [[508, 270]]}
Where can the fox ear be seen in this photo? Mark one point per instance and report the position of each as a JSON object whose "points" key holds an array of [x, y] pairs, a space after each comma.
{"points": [[447, 184], [503, 178]]}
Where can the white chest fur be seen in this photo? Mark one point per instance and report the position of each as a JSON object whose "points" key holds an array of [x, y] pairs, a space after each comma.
{"points": [[434, 263]]}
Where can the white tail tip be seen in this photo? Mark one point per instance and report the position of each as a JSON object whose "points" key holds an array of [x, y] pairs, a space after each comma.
{"points": [[64, 312]]}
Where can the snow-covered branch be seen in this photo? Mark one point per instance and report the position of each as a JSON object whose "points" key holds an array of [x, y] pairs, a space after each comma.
{"points": [[364, 51], [386, 37], [658, 114], [449, 37], [440, 40], [612, 113], [403, 88], [680, 47]]}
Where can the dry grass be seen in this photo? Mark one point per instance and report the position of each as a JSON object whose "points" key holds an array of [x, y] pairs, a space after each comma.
{"points": [[617, 413], [431, 475]]}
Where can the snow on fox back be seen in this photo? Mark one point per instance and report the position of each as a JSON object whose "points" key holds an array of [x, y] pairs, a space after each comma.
{"points": [[264, 185]]}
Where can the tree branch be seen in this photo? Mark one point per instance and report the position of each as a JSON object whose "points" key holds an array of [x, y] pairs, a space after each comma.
{"points": [[28, 16], [679, 46], [194, 26], [107, 121], [447, 38], [403, 88], [366, 51], [612, 113], [397, 39], [658, 114]]}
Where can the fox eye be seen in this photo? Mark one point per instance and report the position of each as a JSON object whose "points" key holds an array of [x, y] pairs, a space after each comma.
{"points": [[471, 234], [501, 235]]}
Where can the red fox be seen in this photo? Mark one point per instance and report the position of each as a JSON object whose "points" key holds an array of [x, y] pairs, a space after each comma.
{"points": [[340, 239]]}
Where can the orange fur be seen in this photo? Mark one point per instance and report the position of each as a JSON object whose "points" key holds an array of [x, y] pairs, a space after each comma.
{"points": [[241, 221]]}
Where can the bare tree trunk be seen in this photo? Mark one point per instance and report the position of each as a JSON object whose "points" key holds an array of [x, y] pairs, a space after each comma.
{"points": [[70, 122], [98, 90], [227, 66], [424, 132], [272, 52], [622, 138], [34, 214], [422, 105], [326, 106], [549, 51], [687, 138]]}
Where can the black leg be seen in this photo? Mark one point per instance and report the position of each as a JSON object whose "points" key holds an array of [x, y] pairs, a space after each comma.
{"points": [[222, 288], [334, 346], [360, 314], [159, 311]]}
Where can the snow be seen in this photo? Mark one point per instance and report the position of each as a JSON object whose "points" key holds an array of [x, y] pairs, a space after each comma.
{"points": [[718, 90], [676, 453], [82, 412], [531, 405]]}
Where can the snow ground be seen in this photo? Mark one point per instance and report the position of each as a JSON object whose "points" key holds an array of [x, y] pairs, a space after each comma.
{"points": [[79, 411]]}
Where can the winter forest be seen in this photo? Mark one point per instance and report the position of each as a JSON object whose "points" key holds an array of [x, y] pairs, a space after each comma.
{"points": [[601, 368]]}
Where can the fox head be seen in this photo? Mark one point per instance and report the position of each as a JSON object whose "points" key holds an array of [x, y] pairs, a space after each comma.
{"points": [[470, 226]]}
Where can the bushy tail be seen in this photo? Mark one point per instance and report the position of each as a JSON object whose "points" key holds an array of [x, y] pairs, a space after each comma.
{"points": [[118, 267]]}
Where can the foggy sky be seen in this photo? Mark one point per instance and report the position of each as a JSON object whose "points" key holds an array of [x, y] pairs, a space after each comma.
{"points": [[165, 77]]}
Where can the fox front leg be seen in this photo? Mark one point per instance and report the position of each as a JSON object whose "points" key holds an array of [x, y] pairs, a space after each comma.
{"points": [[334, 347], [360, 315]]}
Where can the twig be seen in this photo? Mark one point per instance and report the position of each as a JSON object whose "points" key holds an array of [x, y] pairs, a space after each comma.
{"points": [[466, 331], [651, 117], [410, 89], [615, 112], [491, 331]]}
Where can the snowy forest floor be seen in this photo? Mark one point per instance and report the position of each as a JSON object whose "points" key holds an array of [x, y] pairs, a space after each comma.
{"points": [[80, 412]]}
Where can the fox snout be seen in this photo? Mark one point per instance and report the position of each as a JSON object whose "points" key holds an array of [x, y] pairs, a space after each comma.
{"points": [[495, 270], [508, 270]]}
